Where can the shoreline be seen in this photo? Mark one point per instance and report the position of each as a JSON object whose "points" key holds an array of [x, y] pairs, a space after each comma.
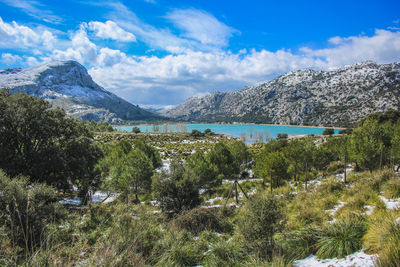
{"points": [[267, 124]]}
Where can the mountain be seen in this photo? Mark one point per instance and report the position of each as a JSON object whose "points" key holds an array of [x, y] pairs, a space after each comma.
{"points": [[67, 84], [339, 97]]}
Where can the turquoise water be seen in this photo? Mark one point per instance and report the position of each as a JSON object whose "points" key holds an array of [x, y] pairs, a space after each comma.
{"points": [[249, 131]]}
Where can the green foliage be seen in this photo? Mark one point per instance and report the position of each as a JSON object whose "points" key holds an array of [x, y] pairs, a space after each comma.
{"points": [[328, 131], [150, 152], [383, 238], [282, 136], [391, 188], [39, 142], [130, 169], [200, 219], [26, 212], [241, 154], [176, 190], [206, 172], [225, 163], [135, 130], [341, 238], [262, 217], [298, 244], [99, 126], [196, 133], [368, 144], [223, 253], [273, 166]]}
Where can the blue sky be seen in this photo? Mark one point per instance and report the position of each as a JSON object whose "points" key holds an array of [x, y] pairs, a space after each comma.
{"points": [[155, 52]]}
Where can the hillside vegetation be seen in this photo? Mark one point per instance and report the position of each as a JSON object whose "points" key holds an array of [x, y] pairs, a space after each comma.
{"points": [[219, 203]]}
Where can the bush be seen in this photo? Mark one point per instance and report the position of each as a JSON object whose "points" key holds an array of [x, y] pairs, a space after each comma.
{"points": [[260, 219], [26, 212], [224, 253], [383, 238], [136, 130], [328, 131], [199, 219], [196, 133], [176, 190], [391, 189], [298, 244], [341, 238]]}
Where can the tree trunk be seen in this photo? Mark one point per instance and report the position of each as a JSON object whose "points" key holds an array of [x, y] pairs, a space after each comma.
{"points": [[345, 173], [236, 192], [270, 179], [306, 174], [136, 194]]}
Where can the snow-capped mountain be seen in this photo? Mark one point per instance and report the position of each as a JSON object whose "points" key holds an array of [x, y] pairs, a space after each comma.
{"points": [[67, 84], [305, 97]]}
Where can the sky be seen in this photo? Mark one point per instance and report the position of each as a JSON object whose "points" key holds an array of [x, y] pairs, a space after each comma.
{"points": [[159, 53]]}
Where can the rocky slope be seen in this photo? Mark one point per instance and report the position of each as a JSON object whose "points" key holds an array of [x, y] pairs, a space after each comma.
{"points": [[67, 84], [305, 97]]}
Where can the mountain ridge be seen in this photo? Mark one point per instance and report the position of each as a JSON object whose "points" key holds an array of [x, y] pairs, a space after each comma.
{"points": [[68, 85], [303, 97]]}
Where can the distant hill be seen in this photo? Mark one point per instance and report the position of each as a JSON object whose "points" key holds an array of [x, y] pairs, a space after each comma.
{"points": [[67, 84], [339, 97]]}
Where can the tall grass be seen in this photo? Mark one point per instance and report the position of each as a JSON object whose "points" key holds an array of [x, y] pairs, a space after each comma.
{"points": [[341, 238], [383, 237]]}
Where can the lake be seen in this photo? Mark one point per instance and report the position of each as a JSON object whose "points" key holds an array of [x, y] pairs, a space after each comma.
{"points": [[249, 131]]}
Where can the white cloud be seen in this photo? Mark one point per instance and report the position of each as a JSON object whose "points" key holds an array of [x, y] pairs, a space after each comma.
{"points": [[382, 47], [35, 10], [201, 26], [8, 58], [13, 35], [173, 78], [196, 65], [109, 57], [80, 48], [110, 30]]}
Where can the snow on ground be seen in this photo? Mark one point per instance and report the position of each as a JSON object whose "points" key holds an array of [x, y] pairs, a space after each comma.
{"points": [[336, 208], [226, 181], [98, 196], [369, 210], [356, 259], [212, 200], [391, 204]]}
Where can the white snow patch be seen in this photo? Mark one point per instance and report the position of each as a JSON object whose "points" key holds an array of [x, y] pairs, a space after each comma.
{"points": [[356, 259], [212, 200], [336, 208], [391, 204], [97, 196]]}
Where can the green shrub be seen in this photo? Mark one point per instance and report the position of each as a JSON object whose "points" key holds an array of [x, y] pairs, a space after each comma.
{"points": [[341, 238], [224, 253], [298, 244], [25, 214], [383, 237], [330, 186], [391, 188], [259, 220], [199, 219]]}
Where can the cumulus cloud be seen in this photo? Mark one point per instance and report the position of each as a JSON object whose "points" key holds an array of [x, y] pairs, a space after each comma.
{"points": [[111, 30], [173, 78], [80, 48], [8, 58], [195, 66], [383, 47], [13, 35], [201, 26]]}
